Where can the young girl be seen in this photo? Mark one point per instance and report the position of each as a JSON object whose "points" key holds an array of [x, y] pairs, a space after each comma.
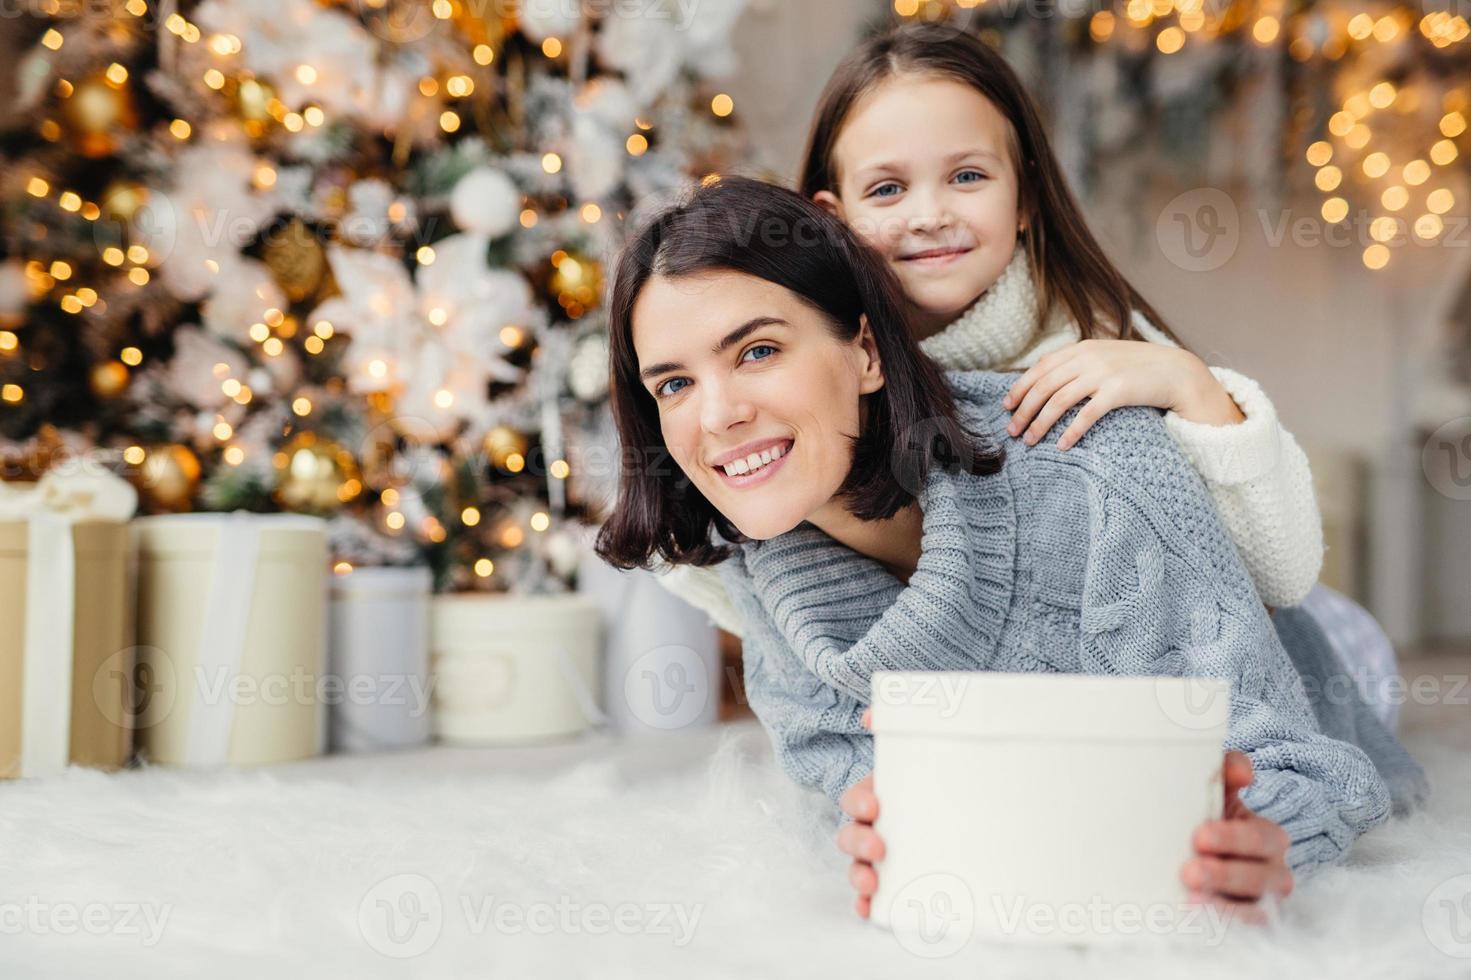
{"points": [[765, 388], [927, 145]]}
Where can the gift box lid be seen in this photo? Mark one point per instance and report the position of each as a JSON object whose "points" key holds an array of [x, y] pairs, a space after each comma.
{"points": [[989, 704], [195, 534], [383, 580], [93, 538], [467, 615]]}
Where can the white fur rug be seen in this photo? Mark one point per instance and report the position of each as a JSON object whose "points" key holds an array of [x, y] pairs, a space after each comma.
{"points": [[682, 856]]}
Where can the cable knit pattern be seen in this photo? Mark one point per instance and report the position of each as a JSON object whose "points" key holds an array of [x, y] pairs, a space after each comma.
{"points": [[1255, 471], [1108, 558]]}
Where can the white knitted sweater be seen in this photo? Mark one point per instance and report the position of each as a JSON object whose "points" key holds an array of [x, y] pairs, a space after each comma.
{"points": [[1257, 474]]}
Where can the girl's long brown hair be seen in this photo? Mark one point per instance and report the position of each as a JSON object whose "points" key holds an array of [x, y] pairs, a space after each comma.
{"points": [[1068, 263]]}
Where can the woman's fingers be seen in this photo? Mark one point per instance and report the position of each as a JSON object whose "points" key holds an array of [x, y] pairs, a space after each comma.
{"points": [[863, 879], [1250, 837], [1249, 912], [1237, 770], [1231, 877], [860, 842], [859, 802]]}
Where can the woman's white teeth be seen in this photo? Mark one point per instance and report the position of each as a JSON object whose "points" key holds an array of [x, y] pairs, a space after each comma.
{"points": [[754, 461]]}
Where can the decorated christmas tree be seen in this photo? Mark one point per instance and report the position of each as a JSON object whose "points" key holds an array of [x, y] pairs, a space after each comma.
{"points": [[342, 258]]}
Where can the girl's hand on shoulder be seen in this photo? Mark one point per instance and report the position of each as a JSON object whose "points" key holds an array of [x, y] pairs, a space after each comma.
{"points": [[1112, 374], [858, 839], [1240, 859]]}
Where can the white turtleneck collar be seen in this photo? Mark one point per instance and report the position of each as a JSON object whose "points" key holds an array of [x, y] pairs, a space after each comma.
{"points": [[1000, 331]]}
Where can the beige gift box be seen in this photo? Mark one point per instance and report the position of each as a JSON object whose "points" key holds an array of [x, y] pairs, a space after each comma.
{"points": [[1041, 807], [514, 668], [77, 713], [232, 630]]}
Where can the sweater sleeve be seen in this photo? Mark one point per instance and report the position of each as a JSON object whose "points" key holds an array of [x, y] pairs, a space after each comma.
{"points": [[816, 731], [1259, 478], [1164, 593]]}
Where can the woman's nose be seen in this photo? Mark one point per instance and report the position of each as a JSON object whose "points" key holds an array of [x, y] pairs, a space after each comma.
{"points": [[722, 407]]}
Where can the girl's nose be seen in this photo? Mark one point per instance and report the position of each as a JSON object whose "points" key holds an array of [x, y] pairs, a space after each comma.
{"points": [[929, 215]]}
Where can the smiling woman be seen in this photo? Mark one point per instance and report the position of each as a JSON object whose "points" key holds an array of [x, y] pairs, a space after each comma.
{"points": [[868, 520], [749, 332]]}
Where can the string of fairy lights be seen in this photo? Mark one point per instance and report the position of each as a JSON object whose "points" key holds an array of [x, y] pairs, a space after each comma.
{"points": [[93, 104], [1391, 147]]}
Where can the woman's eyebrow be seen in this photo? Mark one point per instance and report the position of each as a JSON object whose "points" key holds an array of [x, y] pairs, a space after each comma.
{"points": [[734, 337]]}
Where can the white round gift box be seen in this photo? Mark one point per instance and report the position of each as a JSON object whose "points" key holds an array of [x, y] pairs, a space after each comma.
{"points": [[232, 637], [661, 657], [514, 668], [1041, 807], [380, 658]]}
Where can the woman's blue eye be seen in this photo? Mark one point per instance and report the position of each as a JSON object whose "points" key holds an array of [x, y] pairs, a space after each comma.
{"points": [[661, 390], [760, 347]]}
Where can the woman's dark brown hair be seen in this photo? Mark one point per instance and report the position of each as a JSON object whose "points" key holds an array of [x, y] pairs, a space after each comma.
{"points": [[1069, 265], [745, 226]]}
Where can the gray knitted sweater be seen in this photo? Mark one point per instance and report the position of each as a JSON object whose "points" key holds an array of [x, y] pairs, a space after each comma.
{"points": [[1108, 558]]}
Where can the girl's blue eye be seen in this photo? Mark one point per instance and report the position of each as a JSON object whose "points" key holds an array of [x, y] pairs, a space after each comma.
{"points": [[760, 347], [660, 391], [878, 191], [973, 173]]}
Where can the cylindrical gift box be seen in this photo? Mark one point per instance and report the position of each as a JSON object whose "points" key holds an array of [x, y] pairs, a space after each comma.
{"points": [[84, 718], [661, 656], [380, 659], [232, 617], [1041, 807], [514, 668]]}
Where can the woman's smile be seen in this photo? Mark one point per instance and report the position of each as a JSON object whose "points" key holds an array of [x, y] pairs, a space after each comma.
{"points": [[757, 467]]}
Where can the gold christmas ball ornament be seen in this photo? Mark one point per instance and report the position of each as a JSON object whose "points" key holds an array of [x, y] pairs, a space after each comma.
{"points": [[296, 259], [577, 279], [121, 199], [315, 474], [108, 379], [503, 442], [167, 477], [253, 99], [94, 113], [486, 24]]}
